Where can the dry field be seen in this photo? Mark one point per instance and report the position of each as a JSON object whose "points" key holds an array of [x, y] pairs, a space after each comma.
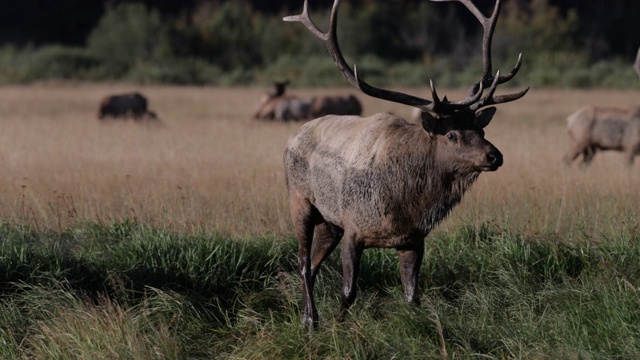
{"points": [[210, 166]]}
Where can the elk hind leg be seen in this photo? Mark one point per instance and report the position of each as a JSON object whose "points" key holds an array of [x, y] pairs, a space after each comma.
{"points": [[351, 254], [631, 154]]}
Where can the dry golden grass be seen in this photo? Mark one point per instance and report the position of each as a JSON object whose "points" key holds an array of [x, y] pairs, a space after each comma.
{"points": [[211, 166]]}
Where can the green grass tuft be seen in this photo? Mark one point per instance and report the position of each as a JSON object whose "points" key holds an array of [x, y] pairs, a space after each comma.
{"points": [[126, 290]]}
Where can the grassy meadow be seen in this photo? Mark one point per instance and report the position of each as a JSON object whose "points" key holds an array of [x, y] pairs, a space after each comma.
{"points": [[173, 240]]}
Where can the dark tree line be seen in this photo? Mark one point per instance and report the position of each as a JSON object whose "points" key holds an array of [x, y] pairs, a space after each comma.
{"points": [[607, 27], [404, 42]]}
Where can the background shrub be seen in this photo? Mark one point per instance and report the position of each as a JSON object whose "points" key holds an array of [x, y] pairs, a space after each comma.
{"points": [[126, 36], [394, 44]]}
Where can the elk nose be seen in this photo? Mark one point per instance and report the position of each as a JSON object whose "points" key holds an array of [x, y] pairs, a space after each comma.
{"points": [[494, 159]]}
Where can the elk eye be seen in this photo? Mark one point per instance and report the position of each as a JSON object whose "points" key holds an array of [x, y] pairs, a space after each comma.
{"points": [[452, 137]]}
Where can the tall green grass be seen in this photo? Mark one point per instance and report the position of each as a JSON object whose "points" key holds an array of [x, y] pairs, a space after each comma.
{"points": [[126, 290]]}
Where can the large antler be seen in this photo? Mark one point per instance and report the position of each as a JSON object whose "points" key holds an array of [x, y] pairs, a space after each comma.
{"points": [[330, 41], [489, 26], [474, 101]]}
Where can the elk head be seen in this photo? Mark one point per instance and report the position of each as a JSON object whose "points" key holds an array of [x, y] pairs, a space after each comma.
{"points": [[281, 87]]}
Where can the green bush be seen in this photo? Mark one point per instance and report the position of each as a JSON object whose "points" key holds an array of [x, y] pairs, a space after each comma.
{"points": [[615, 73], [128, 34], [176, 71], [49, 62], [230, 43], [535, 27], [226, 35], [57, 62]]}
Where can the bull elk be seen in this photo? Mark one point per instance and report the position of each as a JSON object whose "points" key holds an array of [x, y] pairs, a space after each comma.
{"points": [[380, 181], [125, 105]]}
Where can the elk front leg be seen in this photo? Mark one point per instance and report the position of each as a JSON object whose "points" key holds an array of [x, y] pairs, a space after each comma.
{"points": [[410, 260], [351, 254], [574, 152], [631, 154], [587, 155], [302, 216]]}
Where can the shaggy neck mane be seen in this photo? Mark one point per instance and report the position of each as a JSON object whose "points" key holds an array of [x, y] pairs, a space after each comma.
{"points": [[448, 189]]}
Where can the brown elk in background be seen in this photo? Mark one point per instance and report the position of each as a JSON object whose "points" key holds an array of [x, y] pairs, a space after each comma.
{"points": [[278, 106], [335, 105], [132, 105], [293, 109], [592, 128], [266, 107], [381, 181]]}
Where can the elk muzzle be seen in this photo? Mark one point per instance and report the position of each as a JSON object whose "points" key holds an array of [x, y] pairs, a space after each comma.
{"points": [[493, 160]]}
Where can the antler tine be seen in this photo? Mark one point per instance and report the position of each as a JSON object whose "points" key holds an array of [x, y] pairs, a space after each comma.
{"points": [[489, 99], [434, 95], [492, 90], [330, 41], [488, 25], [471, 98], [474, 10], [306, 21], [503, 79], [446, 105], [501, 99]]}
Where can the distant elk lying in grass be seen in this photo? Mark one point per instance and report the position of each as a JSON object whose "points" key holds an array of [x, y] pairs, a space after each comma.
{"points": [[593, 128], [381, 181], [278, 106], [133, 105]]}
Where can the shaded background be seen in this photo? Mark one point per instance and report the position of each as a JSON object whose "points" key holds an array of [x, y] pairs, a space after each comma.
{"points": [[577, 43]]}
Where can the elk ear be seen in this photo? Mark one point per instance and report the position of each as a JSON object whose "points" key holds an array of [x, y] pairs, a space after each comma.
{"points": [[484, 116], [429, 121]]}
